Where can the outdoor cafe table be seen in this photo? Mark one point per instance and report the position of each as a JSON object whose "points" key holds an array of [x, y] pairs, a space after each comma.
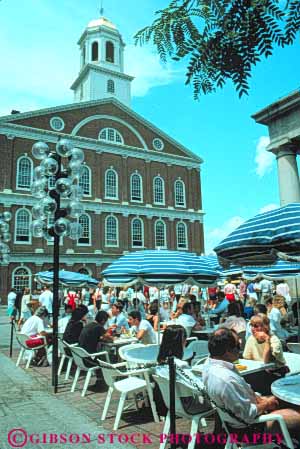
{"points": [[287, 389], [253, 366], [117, 343]]}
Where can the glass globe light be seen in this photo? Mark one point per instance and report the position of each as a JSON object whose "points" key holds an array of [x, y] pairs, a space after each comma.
{"points": [[6, 237], [62, 227], [5, 258], [76, 192], [38, 189], [4, 249], [64, 147], [75, 209], [75, 169], [40, 150], [63, 187], [38, 227], [4, 227], [7, 216], [76, 231], [77, 155], [47, 236], [39, 172], [50, 166], [37, 212], [48, 206]]}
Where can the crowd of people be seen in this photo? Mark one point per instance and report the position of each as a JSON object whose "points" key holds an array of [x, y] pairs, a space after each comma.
{"points": [[252, 320]]}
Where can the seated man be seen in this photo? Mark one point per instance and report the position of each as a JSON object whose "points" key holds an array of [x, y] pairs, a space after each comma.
{"points": [[118, 319], [144, 331], [222, 305], [35, 327], [229, 391]]}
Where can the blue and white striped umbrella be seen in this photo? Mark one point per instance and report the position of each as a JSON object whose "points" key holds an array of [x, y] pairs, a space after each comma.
{"points": [[258, 240], [280, 270], [66, 278], [163, 267]]}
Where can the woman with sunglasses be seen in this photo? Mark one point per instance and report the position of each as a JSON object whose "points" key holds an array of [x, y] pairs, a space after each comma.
{"points": [[265, 347]]}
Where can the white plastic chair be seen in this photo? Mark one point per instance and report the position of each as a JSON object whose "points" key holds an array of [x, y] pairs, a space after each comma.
{"points": [[65, 355], [293, 362], [261, 419], [294, 347], [139, 354], [134, 381], [181, 391], [79, 357], [21, 339], [199, 348]]}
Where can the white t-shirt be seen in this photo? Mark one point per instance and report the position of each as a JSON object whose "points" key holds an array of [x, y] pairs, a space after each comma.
{"points": [[266, 286], [34, 325], [25, 300], [46, 300], [186, 320], [153, 293], [11, 298], [149, 336], [62, 323]]}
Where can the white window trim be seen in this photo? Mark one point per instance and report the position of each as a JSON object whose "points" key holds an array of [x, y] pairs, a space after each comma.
{"points": [[142, 229], [31, 173], [141, 183], [90, 231], [90, 182], [163, 203], [87, 269], [109, 245], [184, 193], [23, 268], [15, 230], [165, 234], [98, 51], [117, 185], [112, 142], [57, 118], [186, 239]]}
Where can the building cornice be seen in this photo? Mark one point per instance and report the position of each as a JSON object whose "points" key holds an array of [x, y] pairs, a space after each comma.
{"points": [[279, 107], [68, 259], [27, 132], [20, 199], [88, 104], [96, 68]]}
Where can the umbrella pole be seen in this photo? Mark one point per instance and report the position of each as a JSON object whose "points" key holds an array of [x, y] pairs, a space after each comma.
{"points": [[158, 328], [172, 375], [298, 309]]}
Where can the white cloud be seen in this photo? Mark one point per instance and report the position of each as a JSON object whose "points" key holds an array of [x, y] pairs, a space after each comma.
{"points": [[216, 235], [264, 159], [268, 207], [148, 70]]}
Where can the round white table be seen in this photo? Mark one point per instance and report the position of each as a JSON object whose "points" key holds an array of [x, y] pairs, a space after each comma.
{"points": [[287, 389]]}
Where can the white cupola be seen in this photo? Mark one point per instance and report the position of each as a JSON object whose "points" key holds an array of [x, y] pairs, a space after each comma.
{"points": [[102, 64]]}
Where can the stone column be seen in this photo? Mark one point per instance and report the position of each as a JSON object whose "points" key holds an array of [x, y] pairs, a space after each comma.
{"points": [[288, 176]]}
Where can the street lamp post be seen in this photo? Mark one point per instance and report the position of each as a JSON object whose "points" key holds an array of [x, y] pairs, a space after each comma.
{"points": [[5, 237], [57, 203]]}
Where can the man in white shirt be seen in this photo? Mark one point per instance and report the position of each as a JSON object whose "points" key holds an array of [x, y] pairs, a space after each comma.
{"points": [[11, 299], [283, 289], [35, 324], [46, 299], [229, 391], [144, 331], [185, 318]]}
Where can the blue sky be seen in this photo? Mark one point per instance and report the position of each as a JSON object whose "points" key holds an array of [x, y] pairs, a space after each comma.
{"points": [[40, 60]]}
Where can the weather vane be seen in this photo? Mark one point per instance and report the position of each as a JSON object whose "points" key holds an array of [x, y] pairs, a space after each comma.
{"points": [[101, 8]]}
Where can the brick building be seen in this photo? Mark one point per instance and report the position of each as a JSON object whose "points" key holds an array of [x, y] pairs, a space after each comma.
{"points": [[141, 188]]}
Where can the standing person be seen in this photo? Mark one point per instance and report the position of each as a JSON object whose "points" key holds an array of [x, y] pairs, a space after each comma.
{"points": [[46, 299], [283, 289], [266, 287], [25, 307], [251, 291], [243, 289], [72, 298], [230, 290], [18, 302], [11, 306], [257, 288]]}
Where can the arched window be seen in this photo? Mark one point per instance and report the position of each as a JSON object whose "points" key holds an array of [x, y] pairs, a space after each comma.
{"points": [[85, 180], [111, 135], [137, 233], [85, 221], [111, 86], [84, 270], [179, 193], [110, 52], [181, 233], [111, 184], [95, 51], [136, 187], [111, 231], [21, 278], [160, 234], [24, 173], [22, 226], [159, 190]]}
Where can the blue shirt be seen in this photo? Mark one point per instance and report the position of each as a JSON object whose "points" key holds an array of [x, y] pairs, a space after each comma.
{"points": [[120, 320], [221, 307]]}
